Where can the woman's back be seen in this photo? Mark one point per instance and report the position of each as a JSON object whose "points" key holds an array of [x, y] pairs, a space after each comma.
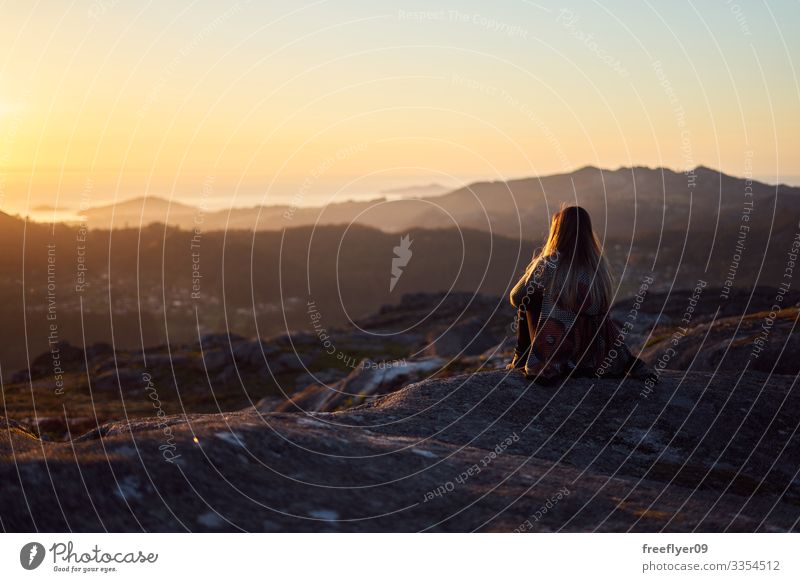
{"points": [[562, 302]]}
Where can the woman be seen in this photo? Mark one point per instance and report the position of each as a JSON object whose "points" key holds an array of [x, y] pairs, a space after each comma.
{"points": [[563, 301]]}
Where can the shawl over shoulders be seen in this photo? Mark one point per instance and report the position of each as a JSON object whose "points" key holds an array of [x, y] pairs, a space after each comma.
{"points": [[532, 280], [563, 338]]}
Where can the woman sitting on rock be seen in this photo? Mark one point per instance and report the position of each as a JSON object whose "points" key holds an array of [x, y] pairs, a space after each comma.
{"points": [[562, 304]]}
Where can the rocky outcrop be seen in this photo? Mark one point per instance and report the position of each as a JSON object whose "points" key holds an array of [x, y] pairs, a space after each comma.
{"points": [[341, 368], [62, 354], [486, 452], [766, 342], [466, 338], [657, 315], [365, 383], [322, 370]]}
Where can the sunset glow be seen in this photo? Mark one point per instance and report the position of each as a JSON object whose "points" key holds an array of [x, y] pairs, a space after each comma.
{"points": [[127, 99]]}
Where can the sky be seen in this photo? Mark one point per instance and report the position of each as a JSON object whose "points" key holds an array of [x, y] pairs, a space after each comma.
{"points": [[241, 103]]}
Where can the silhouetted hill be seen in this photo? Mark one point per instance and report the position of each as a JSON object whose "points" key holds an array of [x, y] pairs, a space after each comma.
{"points": [[157, 285], [132, 213], [625, 204], [682, 225], [432, 189]]}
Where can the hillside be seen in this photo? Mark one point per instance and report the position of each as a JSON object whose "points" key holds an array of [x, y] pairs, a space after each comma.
{"points": [[485, 452], [158, 284], [736, 344], [136, 212], [424, 335], [328, 368], [626, 203], [139, 285], [380, 425]]}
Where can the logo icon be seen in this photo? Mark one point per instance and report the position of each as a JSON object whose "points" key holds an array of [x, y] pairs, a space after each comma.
{"points": [[31, 555], [402, 254]]}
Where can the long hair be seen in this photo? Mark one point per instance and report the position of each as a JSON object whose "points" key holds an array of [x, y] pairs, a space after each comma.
{"points": [[580, 256]]}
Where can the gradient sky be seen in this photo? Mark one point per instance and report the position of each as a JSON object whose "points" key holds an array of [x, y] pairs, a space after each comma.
{"points": [[267, 102]]}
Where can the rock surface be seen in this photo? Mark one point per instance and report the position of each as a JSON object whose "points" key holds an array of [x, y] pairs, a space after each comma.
{"points": [[365, 383], [764, 342], [487, 452]]}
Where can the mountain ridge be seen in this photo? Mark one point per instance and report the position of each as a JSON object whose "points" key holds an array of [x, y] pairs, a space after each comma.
{"points": [[401, 214]]}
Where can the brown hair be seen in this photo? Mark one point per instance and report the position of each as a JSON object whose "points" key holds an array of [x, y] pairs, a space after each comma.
{"points": [[579, 252]]}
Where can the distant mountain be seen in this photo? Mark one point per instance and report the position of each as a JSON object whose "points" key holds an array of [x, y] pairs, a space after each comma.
{"points": [[673, 227], [142, 211], [432, 189], [378, 213], [624, 203], [684, 225]]}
